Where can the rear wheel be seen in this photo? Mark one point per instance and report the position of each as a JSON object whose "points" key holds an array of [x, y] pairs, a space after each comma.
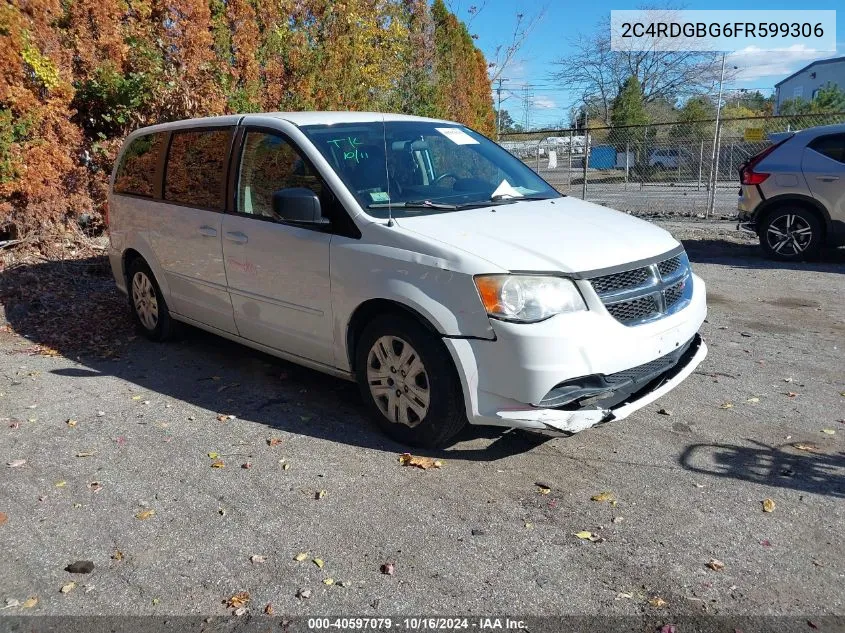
{"points": [[149, 309], [409, 383], [791, 234]]}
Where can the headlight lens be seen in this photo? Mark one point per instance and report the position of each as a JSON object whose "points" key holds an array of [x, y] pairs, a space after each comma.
{"points": [[527, 298]]}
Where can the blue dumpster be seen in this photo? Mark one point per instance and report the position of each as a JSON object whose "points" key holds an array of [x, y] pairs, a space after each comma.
{"points": [[602, 157]]}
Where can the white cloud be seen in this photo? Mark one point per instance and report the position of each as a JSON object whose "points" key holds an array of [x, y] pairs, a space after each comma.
{"points": [[544, 103], [755, 63]]}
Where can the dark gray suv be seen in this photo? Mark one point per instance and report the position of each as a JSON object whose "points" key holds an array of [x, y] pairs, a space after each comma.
{"points": [[793, 193]]}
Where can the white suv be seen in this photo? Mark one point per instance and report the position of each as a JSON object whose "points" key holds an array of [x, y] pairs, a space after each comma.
{"points": [[411, 255]]}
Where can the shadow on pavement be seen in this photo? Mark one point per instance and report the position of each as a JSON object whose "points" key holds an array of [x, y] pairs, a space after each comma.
{"points": [[73, 309], [780, 466], [715, 251]]}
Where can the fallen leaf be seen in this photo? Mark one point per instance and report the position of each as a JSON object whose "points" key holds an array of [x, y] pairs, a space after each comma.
{"points": [[657, 602], [585, 535], [285, 466], [303, 594], [603, 496], [806, 446], [342, 583], [3, 518], [95, 486], [300, 557], [240, 599], [754, 399], [155, 601], [218, 463], [11, 603], [621, 595], [146, 514], [424, 463], [319, 494], [118, 555], [268, 610], [68, 587], [80, 567], [213, 455], [71, 422], [61, 484], [274, 441], [791, 394], [30, 602], [542, 488], [788, 379], [715, 564], [664, 412], [328, 581], [222, 418], [318, 562], [617, 519], [85, 454], [388, 569], [257, 558], [529, 526], [768, 505], [221, 512], [17, 463], [136, 397], [829, 431], [726, 405]]}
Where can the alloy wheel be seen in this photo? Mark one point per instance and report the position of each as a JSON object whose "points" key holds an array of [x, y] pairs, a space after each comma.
{"points": [[789, 234]]}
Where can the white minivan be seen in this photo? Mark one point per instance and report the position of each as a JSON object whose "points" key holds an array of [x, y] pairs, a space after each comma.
{"points": [[412, 255]]}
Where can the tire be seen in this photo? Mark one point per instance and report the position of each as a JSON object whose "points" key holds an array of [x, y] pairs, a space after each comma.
{"points": [[427, 407], [791, 233], [149, 310]]}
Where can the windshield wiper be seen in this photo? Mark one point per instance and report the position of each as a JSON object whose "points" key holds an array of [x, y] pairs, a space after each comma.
{"points": [[415, 204], [503, 197]]}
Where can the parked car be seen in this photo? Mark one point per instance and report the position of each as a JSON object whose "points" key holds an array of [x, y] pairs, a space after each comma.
{"points": [[668, 158], [792, 194], [411, 255]]}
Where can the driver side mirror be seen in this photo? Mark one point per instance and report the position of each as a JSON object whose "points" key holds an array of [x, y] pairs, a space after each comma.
{"points": [[298, 204]]}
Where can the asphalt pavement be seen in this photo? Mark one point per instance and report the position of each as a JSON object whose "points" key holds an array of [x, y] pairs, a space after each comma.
{"points": [[111, 458]]}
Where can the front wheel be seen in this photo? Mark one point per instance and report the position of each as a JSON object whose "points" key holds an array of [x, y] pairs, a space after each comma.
{"points": [[791, 234], [409, 383]]}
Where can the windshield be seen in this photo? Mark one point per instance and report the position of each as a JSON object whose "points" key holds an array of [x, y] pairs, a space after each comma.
{"points": [[423, 167]]}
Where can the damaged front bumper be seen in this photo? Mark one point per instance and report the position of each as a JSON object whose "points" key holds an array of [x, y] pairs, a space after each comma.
{"points": [[567, 422]]}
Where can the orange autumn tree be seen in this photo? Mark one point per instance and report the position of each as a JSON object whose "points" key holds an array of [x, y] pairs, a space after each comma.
{"points": [[80, 74]]}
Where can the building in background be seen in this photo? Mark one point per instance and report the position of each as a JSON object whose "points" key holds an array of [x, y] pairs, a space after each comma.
{"points": [[805, 83]]}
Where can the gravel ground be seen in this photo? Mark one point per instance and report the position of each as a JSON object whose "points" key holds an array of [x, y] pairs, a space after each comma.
{"points": [[111, 439]]}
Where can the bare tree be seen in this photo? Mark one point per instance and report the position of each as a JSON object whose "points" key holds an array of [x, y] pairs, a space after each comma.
{"points": [[665, 74], [504, 54]]}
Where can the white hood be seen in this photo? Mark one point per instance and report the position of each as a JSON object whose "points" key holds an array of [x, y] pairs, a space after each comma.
{"points": [[564, 234]]}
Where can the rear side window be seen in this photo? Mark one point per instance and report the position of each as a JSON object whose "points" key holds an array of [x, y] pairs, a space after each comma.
{"points": [[137, 169], [196, 168], [832, 146]]}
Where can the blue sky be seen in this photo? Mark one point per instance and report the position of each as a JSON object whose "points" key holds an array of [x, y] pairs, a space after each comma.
{"points": [[563, 20]]}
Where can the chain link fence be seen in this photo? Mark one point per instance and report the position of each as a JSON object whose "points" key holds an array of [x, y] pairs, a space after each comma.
{"points": [[687, 169]]}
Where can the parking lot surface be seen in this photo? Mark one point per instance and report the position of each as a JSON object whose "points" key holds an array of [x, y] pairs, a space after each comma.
{"points": [[108, 451]]}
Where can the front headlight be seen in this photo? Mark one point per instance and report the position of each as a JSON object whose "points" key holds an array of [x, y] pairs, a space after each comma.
{"points": [[527, 298]]}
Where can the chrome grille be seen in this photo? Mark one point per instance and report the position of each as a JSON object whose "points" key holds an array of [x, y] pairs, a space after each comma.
{"points": [[669, 266], [646, 293], [634, 310], [620, 281]]}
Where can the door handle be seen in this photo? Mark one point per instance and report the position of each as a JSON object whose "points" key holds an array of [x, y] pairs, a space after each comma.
{"points": [[208, 231], [827, 178], [237, 237]]}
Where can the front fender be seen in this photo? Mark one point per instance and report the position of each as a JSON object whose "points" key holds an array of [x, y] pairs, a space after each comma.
{"points": [[446, 298]]}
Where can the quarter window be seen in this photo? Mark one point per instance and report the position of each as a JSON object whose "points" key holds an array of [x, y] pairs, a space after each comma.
{"points": [[270, 163], [196, 168], [832, 146], [137, 169]]}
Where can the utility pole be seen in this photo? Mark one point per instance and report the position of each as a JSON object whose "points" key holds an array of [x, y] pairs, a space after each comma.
{"points": [[714, 156], [528, 100], [499, 107]]}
